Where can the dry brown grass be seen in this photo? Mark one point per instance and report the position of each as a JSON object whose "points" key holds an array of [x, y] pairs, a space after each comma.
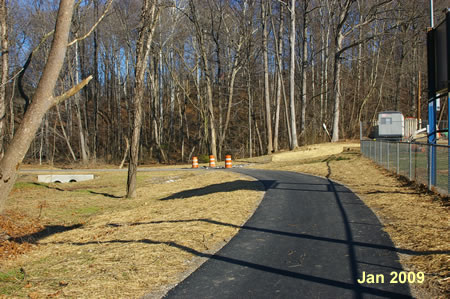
{"points": [[125, 248], [415, 219]]}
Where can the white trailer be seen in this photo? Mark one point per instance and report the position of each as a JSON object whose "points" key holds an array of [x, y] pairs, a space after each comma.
{"points": [[391, 124]]}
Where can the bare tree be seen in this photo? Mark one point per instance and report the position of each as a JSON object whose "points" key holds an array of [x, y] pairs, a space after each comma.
{"points": [[343, 9], [265, 34], [43, 100], [201, 41], [294, 141], [235, 66], [149, 16], [304, 65], [278, 39], [4, 72]]}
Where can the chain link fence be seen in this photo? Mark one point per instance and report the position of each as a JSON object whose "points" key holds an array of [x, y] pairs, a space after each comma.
{"points": [[411, 160]]}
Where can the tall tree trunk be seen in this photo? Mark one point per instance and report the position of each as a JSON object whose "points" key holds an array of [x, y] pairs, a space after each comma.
{"points": [[304, 64], [339, 38], [212, 122], [325, 78], [294, 142], [266, 77], [96, 87], [278, 53], [160, 97], [234, 71], [148, 23], [208, 77], [42, 101], [337, 89], [4, 72], [83, 146], [172, 95], [250, 113]]}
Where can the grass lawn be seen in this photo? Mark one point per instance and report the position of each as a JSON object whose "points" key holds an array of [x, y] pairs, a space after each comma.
{"points": [[85, 240]]}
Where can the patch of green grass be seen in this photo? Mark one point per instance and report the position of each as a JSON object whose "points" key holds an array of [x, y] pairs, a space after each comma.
{"points": [[11, 289], [87, 210], [12, 275], [28, 185], [11, 281], [83, 191]]}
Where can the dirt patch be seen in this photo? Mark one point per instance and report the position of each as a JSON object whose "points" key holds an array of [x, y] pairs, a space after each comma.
{"points": [[416, 220], [97, 244]]}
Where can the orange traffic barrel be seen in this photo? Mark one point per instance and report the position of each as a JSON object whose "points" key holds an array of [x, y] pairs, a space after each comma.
{"points": [[212, 161], [228, 161], [194, 162]]}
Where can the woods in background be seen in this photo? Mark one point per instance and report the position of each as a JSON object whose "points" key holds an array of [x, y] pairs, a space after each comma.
{"points": [[222, 77]]}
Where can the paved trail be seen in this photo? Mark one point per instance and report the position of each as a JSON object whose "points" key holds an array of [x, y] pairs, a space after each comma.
{"points": [[309, 238]]}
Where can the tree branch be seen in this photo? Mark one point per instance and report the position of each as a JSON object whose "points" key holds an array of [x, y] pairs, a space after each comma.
{"points": [[71, 91], [108, 6]]}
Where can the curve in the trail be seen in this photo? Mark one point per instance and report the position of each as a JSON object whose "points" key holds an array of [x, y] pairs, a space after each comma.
{"points": [[309, 238]]}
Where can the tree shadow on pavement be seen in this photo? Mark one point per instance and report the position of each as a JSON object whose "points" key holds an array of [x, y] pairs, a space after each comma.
{"points": [[289, 234], [235, 261]]}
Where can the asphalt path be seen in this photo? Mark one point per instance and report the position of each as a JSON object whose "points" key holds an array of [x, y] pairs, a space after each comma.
{"points": [[309, 238]]}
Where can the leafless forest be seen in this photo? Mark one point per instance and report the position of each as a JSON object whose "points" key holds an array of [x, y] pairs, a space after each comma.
{"points": [[176, 78]]}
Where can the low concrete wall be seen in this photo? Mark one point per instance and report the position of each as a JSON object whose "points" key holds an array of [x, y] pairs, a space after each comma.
{"points": [[64, 178]]}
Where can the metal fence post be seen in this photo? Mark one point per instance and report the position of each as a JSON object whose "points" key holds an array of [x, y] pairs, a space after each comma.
{"points": [[377, 152], [374, 158], [448, 133], [448, 169], [388, 147], [381, 153], [398, 157], [429, 166], [410, 161], [374, 151]]}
